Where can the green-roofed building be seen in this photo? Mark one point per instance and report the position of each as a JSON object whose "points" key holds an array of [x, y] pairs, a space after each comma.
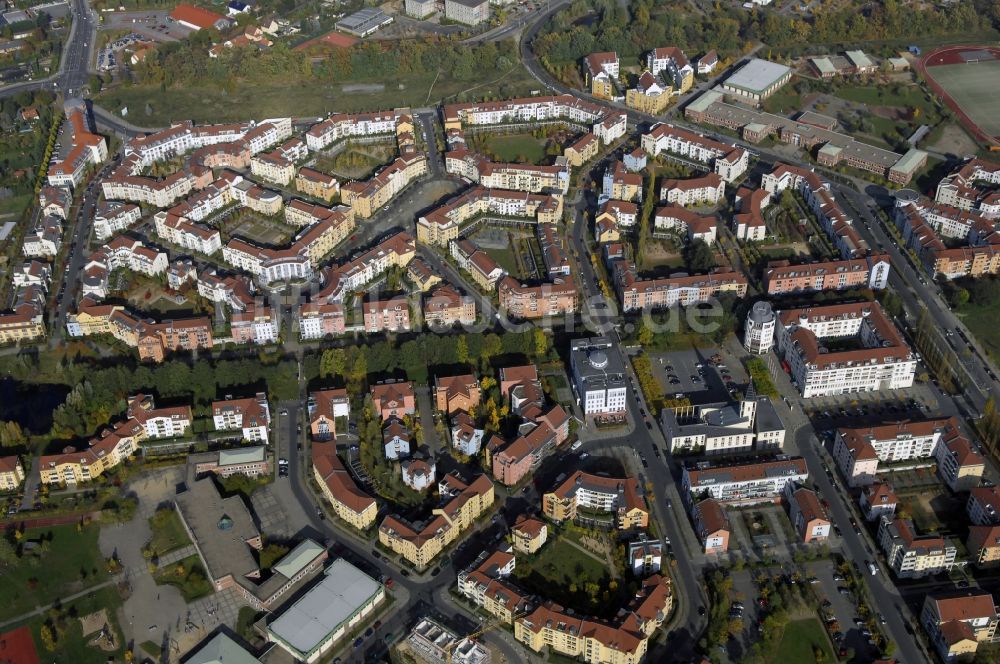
{"points": [[221, 649]]}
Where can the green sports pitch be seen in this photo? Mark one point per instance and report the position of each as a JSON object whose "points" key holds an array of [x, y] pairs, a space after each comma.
{"points": [[973, 86]]}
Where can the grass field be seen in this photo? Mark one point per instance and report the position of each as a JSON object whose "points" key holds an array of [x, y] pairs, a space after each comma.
{"points": [[984, 322], [70, 562], [907, 97], [260, 231], [523, 148], [800, 639], [13, 207], [505, 259], [168, 532], [973, 87], [562, 572], [212, 104]]}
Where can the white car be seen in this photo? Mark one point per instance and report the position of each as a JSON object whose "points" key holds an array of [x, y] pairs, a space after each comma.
{"points": [[575, 446]]}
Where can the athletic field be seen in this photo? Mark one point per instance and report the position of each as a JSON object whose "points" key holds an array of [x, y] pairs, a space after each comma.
{"points": [[967, 78], [974, 87]]}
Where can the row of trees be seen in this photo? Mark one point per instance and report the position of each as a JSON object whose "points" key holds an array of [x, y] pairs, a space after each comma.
{"points": [[572, 33], [188, 63], [98, 390]]}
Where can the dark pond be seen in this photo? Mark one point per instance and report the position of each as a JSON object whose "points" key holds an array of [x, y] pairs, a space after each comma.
{"points": [[30, 405]]}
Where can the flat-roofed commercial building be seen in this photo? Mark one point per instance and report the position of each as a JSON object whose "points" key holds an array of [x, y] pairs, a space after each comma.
{"points": [[757, 80], [364, 22], [249, 461], [310, 627]]}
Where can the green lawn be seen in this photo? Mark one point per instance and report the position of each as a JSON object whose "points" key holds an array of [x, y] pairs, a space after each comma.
{"points": [[784, 101], [70, 644], [800, 639], [505, 258], [168, 532], [907, 97], [212, 104], [13, 207], [523, 148], [188, 576], [67, 564], [573, 578], [984, 322]]}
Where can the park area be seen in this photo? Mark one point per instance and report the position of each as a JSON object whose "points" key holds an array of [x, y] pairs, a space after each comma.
{"points": [[520, 148], [803, 641], [967, 78], [573, 570], [51, 564], [357, 162]]}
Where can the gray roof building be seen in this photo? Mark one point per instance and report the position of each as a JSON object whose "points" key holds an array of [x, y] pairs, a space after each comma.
{"points": [[329, 610]]}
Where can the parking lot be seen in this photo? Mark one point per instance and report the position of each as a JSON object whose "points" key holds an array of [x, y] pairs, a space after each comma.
{"points": [[153, 24], [841, 607], [745, 593], [693, 374]]}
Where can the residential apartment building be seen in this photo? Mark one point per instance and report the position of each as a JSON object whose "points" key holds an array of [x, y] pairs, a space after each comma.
{"points": [[649, 95], [645, 556], [445, 224], [341, 126], [25, 321], [704, 190], [187, 235], [365, 198], [622, 216], [86, 148], [349, 503], [318, 320], [690, 224], [664, 137], [878, 500], [672, 66], [465, 436], [880, 360], [808, 515], [783, 278], [744, 483], [486, 584], [621, 498], [324, 407], [510, 462], [582, 150], [711, 525], [456, 393], [113, 217], [607, 124], [624, 641], [525, 302], [420, 543], [958, 622], [256, 325], [638, 293], [912, 556], [273, 167], [250, 416], [11, 473], [444, 307], [394, 399], [392, 315], [620, 184], [316, 184], [601, 73], [469, 12], [514, 177], [529, 534]]}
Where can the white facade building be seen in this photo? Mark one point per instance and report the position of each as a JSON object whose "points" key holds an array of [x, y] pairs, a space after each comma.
{"points": [[758, 335]]}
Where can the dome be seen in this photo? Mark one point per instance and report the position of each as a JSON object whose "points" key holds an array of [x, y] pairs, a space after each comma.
{"points": [[598, 359]]}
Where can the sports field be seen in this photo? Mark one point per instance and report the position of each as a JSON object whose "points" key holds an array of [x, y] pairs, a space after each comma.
{"points": [[973, 86]]}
